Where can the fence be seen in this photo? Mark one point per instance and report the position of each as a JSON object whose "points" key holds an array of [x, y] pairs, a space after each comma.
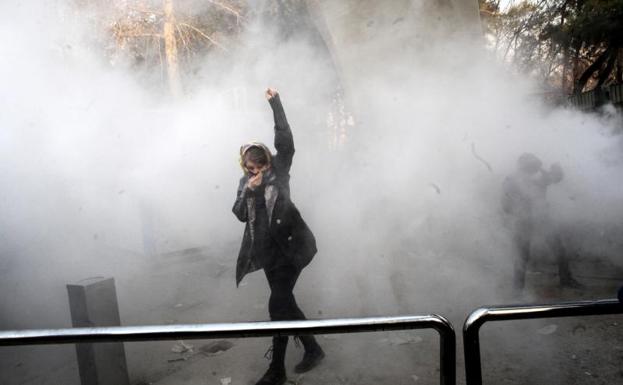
{"points": [[471, 339], [247, 329], [592, 99], [447, 351]]}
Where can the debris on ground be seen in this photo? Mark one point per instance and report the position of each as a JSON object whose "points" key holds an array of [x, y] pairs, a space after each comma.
{"points": [[547, 330], [407, 340], [400, 340], [226, 381], [298, 380], [415, 378], [331, 337], [219, 271], [578, 327], [182, 347], [342, 380], [216, 347]]}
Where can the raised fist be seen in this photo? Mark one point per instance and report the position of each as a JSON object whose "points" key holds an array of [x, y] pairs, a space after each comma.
{"points": [[271, 93]]}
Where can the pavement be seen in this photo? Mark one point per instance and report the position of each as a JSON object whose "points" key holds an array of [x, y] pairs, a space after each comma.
{"points": [[198, 287]]}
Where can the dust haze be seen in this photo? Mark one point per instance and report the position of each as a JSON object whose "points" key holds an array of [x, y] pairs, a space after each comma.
{"points": [[104, 172]]}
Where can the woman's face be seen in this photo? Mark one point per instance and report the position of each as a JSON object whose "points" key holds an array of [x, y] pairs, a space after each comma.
{"points": [[255, 168]]}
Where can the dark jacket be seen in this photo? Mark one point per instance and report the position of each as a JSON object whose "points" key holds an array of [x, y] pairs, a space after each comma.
{"points": [[286, 226]]}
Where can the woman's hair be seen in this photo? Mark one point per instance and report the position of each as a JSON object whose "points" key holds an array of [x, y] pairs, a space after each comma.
{"points": [[256, 155]]}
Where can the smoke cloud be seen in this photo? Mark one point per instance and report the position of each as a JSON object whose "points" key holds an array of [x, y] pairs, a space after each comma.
{"points": [[103, 172]]}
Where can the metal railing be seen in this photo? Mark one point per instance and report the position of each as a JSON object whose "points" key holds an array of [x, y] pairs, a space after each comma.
{"points": [[471, 339], [247, 329]]}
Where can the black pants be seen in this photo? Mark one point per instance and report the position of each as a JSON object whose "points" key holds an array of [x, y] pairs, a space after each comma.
{"points": [[282, 307], [555, 245]]}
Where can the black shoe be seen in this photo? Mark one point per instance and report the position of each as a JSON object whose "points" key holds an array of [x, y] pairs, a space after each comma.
{"points": [[571, 283], [273, 377], [311, 359]]}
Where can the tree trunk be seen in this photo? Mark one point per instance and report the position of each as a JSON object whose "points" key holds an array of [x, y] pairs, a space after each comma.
{"points": [[605, 74], [564, 81], [574, 66], [588, 73], [618, 77], [170, 49]]}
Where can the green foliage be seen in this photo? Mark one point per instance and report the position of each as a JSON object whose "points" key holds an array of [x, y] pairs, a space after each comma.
{"points": [[597, 22], [569, 44]]}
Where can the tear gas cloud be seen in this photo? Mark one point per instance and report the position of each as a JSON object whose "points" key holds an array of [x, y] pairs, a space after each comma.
{"points": [[406, 209]]}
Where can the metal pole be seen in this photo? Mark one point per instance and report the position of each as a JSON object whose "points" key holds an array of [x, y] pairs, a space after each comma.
{"points": [[447, 351], [93, 302], [247, 329], [471, 327]]}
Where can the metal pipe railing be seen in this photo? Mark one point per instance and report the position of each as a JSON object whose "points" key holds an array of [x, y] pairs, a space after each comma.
{"points": [[471, 328], [247, 329]]}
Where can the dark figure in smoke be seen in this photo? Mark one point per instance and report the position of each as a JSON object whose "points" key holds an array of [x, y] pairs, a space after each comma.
{"points": [[276, 238], [525, 205]]}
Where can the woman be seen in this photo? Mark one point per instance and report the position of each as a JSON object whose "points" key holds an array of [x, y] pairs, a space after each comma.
{"points": [[276, 239]]}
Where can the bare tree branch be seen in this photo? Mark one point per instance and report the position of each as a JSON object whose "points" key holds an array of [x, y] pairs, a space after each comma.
{"points": [[200, 32]]}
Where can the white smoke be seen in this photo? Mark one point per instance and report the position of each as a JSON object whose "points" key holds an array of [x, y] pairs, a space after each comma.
{"points": [[406, 211]]}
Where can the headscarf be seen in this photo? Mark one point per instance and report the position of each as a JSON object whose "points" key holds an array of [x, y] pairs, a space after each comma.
{"points": [[244, 148]]}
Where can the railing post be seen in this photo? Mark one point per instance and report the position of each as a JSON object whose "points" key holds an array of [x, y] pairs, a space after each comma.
{"points": [[471, 328], [93, 302], [471, 347], [447, 351], [247, 329]]}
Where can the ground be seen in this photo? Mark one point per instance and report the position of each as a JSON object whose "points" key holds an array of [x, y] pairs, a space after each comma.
{"points": [[579, 350]]}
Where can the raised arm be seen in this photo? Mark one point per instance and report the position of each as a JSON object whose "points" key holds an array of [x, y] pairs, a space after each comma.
{"points": [[553, 176], [284, 143]]}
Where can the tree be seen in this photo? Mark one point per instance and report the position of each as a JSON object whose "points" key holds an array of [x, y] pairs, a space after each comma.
{"points": [[593, 34], [171, 34], [171, 38], [572, 45], [170, 44]]}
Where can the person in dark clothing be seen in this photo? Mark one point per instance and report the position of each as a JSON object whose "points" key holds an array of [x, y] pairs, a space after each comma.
{"points": [[276, 238], [525, 205]]}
